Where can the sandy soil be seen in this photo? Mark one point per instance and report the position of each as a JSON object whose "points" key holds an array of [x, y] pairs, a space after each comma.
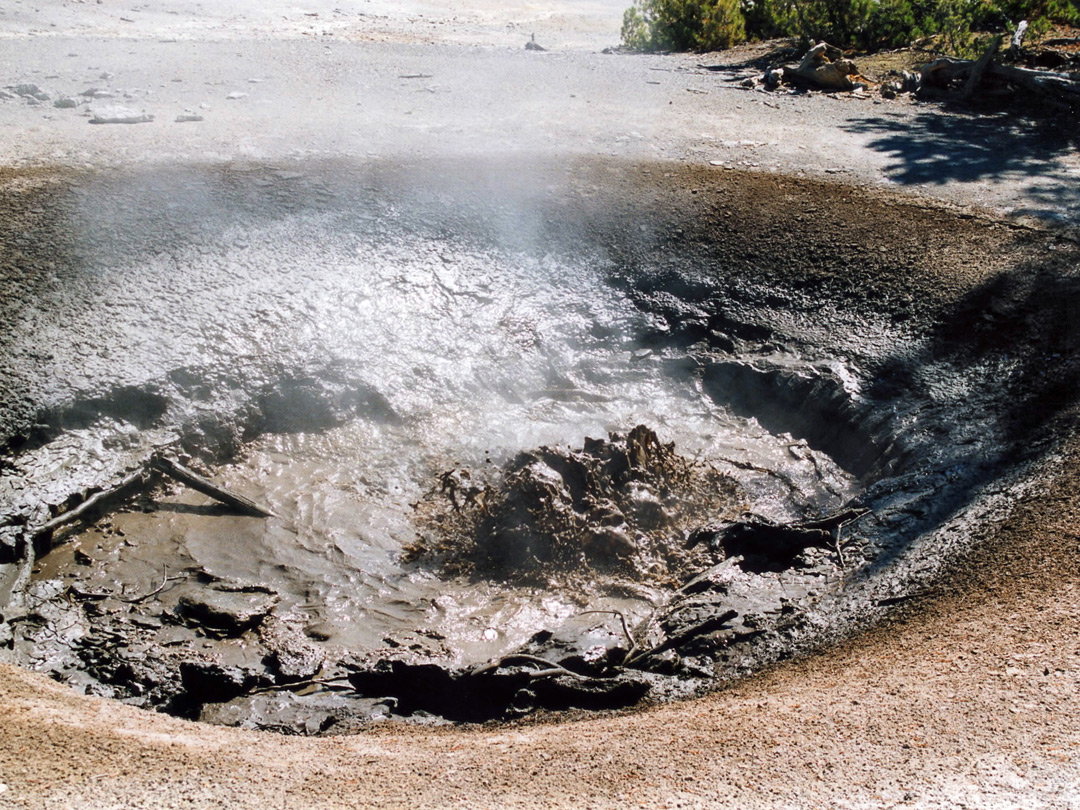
{"points": [[969, 697]]}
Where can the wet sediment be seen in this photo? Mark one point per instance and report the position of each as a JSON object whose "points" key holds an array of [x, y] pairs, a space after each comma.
{"points": [[853, 376]]}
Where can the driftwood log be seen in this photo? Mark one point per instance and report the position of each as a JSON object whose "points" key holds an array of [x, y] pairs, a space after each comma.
{"points": [[122, 489], [95, 500], [1058, 90]]}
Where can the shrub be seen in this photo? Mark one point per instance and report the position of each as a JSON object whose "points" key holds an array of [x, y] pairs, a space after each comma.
{"points": [[683, 25], [960, 26]]}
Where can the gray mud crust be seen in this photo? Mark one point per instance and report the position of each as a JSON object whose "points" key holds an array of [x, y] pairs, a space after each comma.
{"points": [[904, 360]]}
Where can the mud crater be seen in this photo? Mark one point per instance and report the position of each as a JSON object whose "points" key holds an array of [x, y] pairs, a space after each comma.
{"points": [[532, 438]]}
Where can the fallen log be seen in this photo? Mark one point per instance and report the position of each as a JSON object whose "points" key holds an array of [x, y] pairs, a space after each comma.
{"points": [[1057, 89], [238, 502], [1043, 82]]}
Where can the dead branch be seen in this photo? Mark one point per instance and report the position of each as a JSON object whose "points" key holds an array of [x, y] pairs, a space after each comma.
{"points": [[278, 687], [1058, 90], [698, 583], [677, 640], [94, 500], [979, 69], [551, 667], [197, 482]]}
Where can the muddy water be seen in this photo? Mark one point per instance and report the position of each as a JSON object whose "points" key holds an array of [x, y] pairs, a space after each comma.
{"points": [[470, 355]]}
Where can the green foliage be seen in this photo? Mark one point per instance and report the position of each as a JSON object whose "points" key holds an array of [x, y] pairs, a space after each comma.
{"points": [[840, 22], [958, 26], [683, 25]]}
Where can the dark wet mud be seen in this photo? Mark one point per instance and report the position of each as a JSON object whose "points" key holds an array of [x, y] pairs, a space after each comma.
{"points": [[532, 437]]}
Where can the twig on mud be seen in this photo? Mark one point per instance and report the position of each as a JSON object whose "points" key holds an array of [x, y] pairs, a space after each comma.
{"points": [[165, 579], [553, 668], [278, 687], [626, 630], [130, 600]]}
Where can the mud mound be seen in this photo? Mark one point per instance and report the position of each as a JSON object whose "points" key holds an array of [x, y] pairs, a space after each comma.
{"points": [[614, 506]]}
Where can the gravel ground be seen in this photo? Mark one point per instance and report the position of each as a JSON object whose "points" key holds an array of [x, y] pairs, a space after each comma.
{"points": [[968, 697]]}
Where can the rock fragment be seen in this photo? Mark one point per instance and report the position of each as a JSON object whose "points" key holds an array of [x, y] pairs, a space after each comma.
{"points": [[29, 91], [230, 611], [116, 114], [291, 653]]}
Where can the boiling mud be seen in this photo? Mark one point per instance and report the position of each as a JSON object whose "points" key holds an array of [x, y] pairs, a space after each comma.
{"points": [[474, 355]]}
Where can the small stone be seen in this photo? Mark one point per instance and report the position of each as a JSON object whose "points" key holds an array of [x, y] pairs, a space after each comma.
{"points": [[66, 103], [30, 91], [116, 114], [295, 657], [184, 119], [236, 94]]}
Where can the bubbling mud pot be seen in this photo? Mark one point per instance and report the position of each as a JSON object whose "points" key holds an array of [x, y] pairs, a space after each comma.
{"points": [[529, 438]]}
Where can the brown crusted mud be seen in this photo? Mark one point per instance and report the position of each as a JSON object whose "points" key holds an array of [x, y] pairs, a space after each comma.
{"points": [[615, 506]]}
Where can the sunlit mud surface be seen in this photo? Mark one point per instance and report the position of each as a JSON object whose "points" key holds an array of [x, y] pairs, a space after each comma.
{"points": [[469, 358], [377, 368]]}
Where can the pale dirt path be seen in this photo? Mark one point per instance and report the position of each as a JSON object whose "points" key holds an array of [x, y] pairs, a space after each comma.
{"points": [[280, 80]]}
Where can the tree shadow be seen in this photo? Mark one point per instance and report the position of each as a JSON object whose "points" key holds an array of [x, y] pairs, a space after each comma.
{"points": [[934, 149], [1025, 324]]}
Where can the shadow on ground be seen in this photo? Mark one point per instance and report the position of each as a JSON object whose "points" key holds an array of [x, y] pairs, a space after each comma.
{"points": [[934, 149]]}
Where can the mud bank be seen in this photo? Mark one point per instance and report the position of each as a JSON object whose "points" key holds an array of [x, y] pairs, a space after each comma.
{"points": [[823, 347]]}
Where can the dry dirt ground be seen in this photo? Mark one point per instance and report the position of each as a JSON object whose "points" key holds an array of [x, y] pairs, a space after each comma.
{"points": [[969, 697]]}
